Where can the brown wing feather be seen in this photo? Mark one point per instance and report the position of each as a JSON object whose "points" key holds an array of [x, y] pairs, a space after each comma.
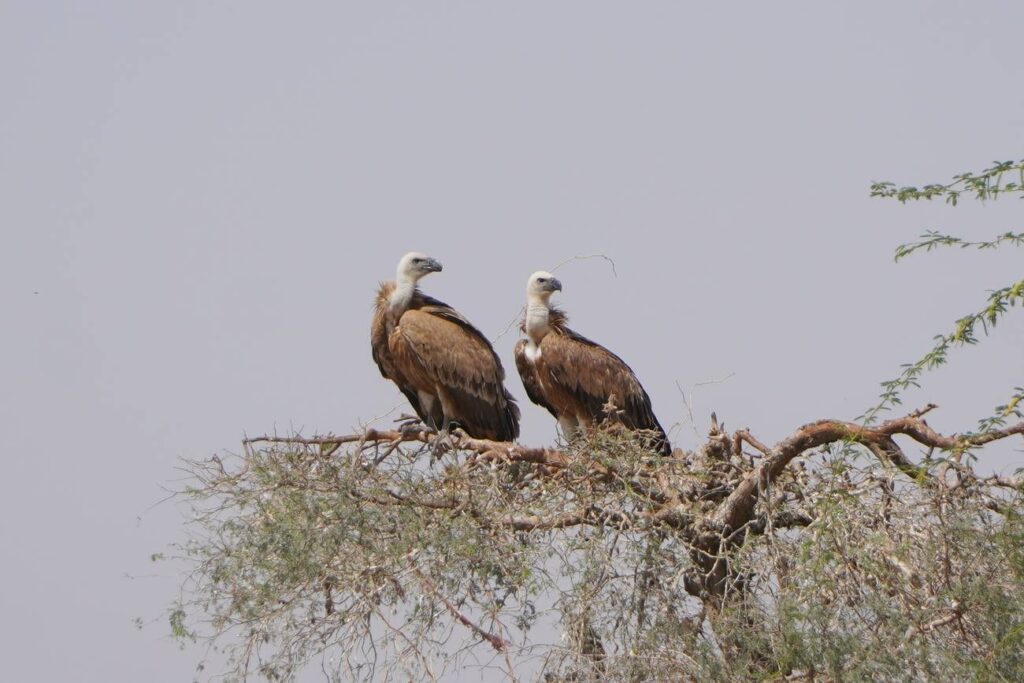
{"points": [[435, 345], [591, 374], [531, 382], [380, 328]]}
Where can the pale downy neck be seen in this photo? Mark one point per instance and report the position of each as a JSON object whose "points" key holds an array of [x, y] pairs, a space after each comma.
{"points": [[405, 287], [537, 313]]}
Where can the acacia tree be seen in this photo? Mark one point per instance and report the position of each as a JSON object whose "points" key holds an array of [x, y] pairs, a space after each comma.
{"points": [[830, 555]]}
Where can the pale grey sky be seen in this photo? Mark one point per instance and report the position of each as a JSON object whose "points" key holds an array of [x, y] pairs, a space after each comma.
{"points": [[199, 198]]}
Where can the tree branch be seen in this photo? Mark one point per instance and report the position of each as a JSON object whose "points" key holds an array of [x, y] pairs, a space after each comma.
{"points": [[738, 508], [496, 641]]}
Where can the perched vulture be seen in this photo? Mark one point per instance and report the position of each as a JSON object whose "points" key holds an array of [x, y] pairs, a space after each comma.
{"points": [[575, 378], [444, 366]]}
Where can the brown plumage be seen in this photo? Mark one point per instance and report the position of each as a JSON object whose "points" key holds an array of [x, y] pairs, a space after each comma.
{"points": [[444, 366], [575, 378]]}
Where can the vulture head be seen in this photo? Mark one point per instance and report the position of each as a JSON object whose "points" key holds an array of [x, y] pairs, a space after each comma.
{"points": [[542, 285], [415, 265]]}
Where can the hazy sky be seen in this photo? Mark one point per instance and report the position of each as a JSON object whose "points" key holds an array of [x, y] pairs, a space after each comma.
{"points": [[197, 200]]}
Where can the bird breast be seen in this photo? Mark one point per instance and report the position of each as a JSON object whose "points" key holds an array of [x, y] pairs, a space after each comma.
{"points": [[532, 351]]}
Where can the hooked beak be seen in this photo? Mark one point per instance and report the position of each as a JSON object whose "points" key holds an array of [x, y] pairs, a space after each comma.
{"points": [[555, 284], [434, 266]]}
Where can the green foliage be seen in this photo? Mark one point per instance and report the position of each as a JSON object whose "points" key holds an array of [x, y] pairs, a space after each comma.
{"points": [[964, 332], [891, 582], [177, 622], [296, 551], [401, 569], [932, 239], [1001, 414], [1002, 178]]}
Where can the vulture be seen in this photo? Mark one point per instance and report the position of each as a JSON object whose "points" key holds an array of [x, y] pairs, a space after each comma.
{"points": [[444, 366], [575, 378]]}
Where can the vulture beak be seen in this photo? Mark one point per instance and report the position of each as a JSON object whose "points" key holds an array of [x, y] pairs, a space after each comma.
{"points": [[556, 285], [434, 266]]}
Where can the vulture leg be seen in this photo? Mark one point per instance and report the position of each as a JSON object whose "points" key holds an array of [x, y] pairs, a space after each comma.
{"points": [[443, 442], [569, 425]]}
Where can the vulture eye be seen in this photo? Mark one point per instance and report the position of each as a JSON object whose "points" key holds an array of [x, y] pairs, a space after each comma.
{"points": [[542, 279], [417, 260]]}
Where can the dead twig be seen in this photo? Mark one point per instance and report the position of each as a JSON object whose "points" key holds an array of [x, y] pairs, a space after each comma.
{"points": [[496, 641]]}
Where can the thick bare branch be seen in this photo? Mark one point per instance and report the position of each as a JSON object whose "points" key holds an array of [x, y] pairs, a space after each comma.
{"points": [[738, 508]]}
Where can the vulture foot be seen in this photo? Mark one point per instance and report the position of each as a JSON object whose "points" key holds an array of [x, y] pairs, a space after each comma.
{"points": [[446, 440]]}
